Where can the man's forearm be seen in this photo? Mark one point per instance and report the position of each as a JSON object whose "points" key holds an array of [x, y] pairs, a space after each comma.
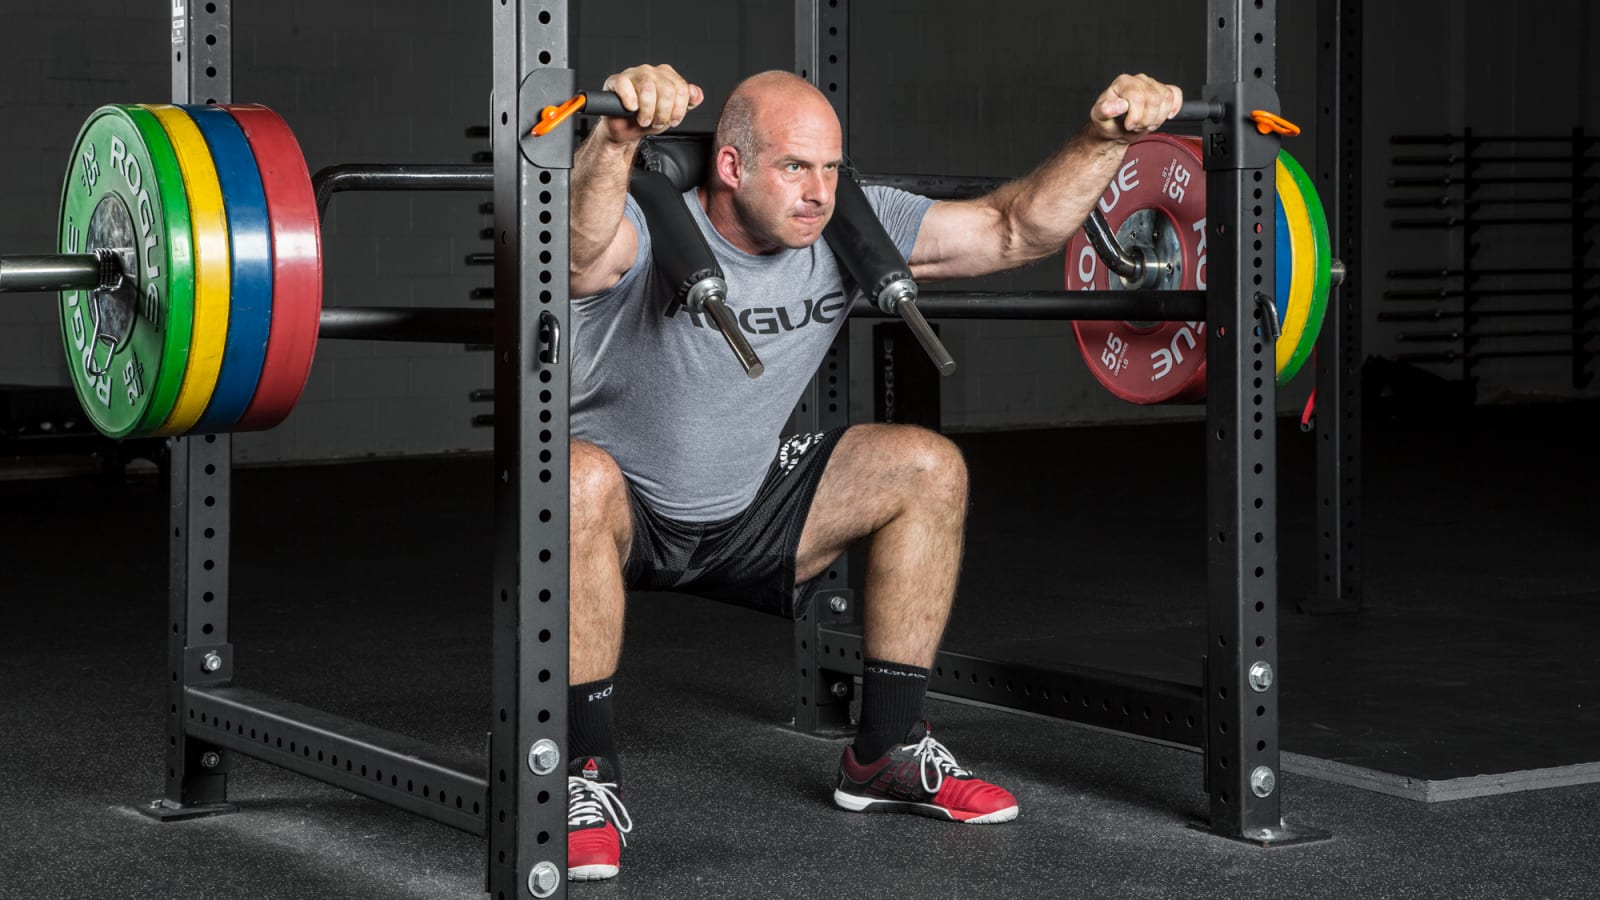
{"points": [[599, 191], [1039, 211]]}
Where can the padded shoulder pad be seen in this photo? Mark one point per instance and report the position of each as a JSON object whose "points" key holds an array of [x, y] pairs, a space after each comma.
{"points": [[680, 251], [682, 157]]}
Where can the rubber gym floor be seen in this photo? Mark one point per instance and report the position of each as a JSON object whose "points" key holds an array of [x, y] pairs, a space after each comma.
{"points": [[362, 588]]}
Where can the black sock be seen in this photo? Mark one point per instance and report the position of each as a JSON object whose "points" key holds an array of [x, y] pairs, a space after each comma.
{"points": [[589, 728], [891, 703]]}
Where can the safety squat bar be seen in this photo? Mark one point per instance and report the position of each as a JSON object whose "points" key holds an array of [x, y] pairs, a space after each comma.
{"points": [[518, 800]]}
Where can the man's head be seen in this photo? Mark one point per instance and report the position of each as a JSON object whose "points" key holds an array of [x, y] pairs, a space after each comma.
{"points": [[776, 165]]}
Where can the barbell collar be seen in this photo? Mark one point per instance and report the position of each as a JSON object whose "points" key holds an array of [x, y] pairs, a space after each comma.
{"points": [[894, 293], [711, 287]]}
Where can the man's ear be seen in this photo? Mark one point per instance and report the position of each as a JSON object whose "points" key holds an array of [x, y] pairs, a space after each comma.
{"points": [[730, 167]]}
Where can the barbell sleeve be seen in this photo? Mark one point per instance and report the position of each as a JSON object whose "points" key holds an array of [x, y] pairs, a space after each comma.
{"points": [[724, 319], [58, 271]]}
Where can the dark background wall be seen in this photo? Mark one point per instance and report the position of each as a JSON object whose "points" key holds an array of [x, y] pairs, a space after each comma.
{"points": [[936, 87]]}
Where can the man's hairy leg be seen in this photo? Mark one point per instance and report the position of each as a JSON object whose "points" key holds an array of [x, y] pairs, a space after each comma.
{"points": [[602, 532], [905, 489]]}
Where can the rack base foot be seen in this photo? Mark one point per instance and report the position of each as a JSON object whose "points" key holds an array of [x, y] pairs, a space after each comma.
{"points": [[168, 811], [1284, 835]]}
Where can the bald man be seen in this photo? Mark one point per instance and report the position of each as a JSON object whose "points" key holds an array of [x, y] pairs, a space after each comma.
{"points": [[681, 478]]}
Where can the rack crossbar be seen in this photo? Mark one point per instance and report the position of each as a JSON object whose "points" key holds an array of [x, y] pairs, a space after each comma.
{"points": [[384, 766], [1118, 701]]}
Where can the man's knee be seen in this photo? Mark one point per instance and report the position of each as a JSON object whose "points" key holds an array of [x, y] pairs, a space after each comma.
{"points": [[936, 467], [599, 493]]}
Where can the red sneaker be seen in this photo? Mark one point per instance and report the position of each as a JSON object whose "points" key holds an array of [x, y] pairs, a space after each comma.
{"points": [[596, 821], [921, 777]]}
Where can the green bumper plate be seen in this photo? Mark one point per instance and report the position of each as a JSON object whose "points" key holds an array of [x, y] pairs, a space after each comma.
{"points": [[127, 346]]}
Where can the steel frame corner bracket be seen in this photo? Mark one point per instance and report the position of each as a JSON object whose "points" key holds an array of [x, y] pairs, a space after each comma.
{"points": [[545, 87]]}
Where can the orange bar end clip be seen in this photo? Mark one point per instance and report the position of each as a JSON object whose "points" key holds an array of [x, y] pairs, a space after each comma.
{"points": [[551, 116], [1272, 123]]}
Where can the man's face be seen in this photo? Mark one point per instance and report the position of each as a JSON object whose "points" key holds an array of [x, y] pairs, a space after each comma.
{"points": [[785, 195]]}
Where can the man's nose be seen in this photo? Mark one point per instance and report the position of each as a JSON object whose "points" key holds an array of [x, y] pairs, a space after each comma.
{"points": [[819, 187]]}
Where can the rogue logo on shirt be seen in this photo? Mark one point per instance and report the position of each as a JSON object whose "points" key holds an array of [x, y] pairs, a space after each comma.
{"points": [[773, 319]]}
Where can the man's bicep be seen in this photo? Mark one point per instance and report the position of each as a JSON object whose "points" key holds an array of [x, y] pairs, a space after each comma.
{"points": [[959, 239], [612, 264]]}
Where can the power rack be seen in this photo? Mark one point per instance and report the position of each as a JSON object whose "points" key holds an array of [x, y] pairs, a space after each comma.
{"points": [[517, 801]]}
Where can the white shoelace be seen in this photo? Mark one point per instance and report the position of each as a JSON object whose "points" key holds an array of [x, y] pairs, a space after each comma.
{"points": [[937, 757], [589, 802]]}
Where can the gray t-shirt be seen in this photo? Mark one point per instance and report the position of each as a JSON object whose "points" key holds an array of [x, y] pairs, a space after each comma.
{"points": [[659, 389]]}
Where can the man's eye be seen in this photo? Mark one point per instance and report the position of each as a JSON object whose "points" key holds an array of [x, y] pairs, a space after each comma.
{"points": [[793, 167]]}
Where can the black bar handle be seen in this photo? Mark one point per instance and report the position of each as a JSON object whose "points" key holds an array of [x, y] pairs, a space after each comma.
{"points": [[604, 103], [1198, 111]]}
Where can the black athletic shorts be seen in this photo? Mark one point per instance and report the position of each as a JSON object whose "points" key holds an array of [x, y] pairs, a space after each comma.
{"points": [[749, 559]]}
